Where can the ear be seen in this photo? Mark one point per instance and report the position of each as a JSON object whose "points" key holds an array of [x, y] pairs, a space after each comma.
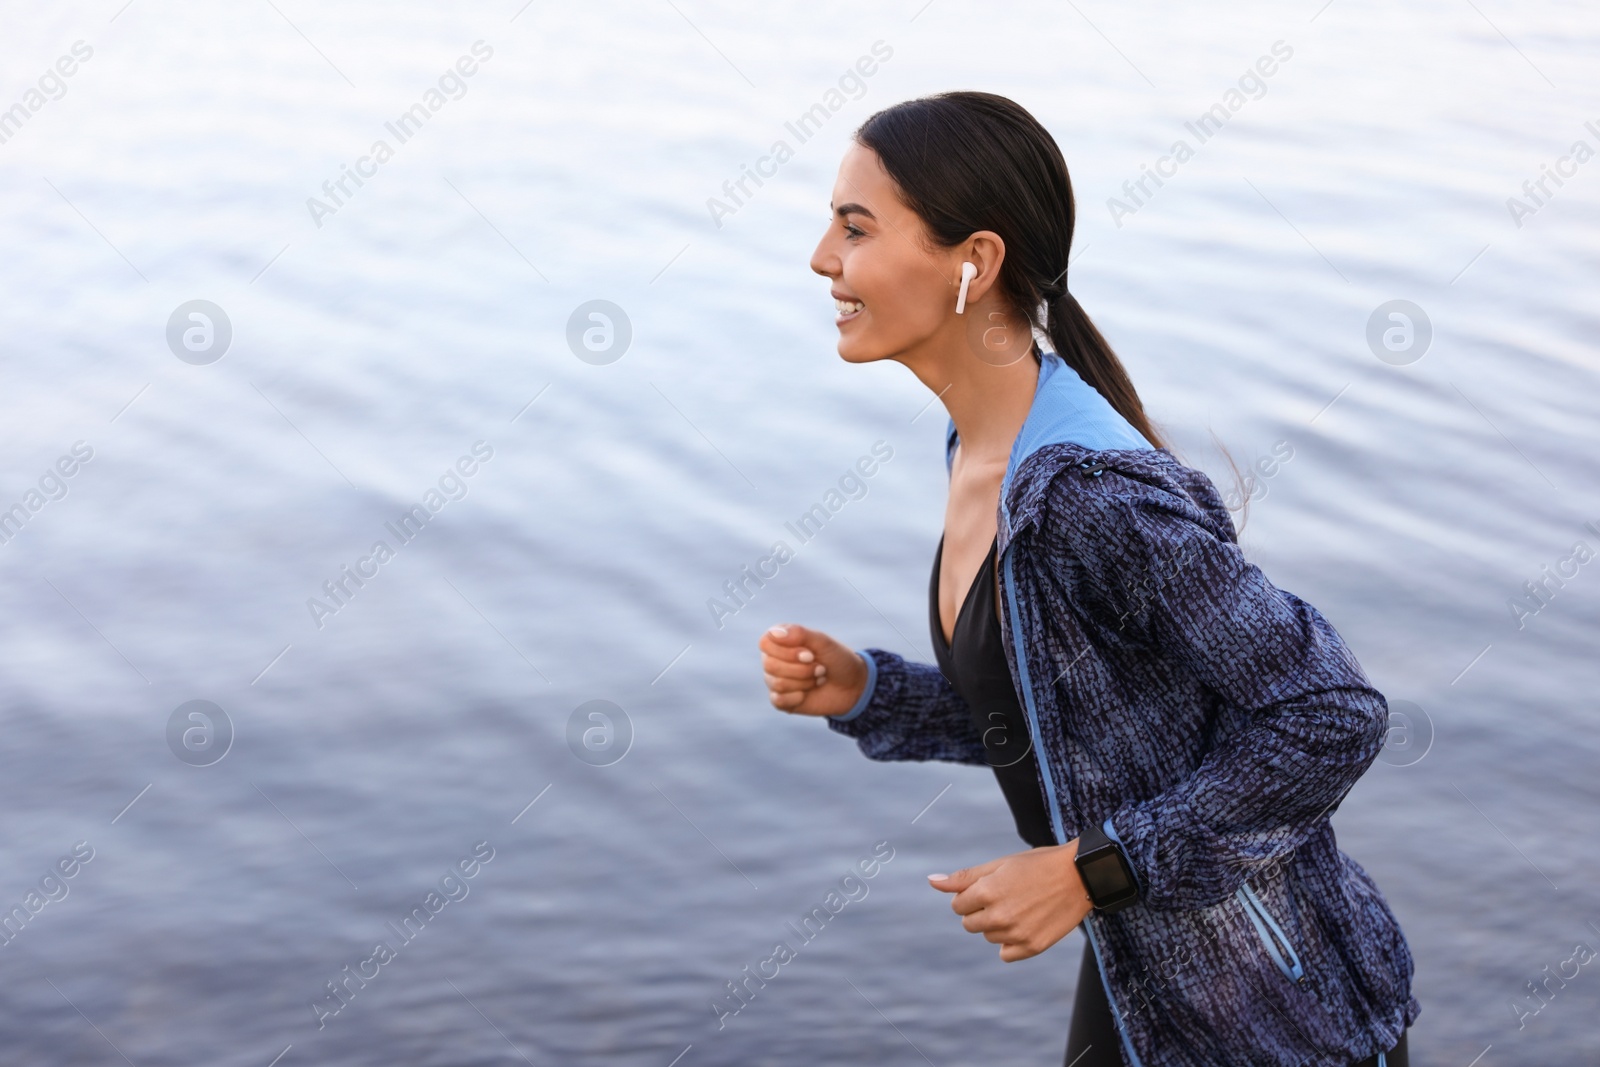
{"points": [[986, 251]]}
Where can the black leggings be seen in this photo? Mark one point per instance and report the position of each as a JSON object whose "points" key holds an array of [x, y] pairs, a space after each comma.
{"points": [[1093, 1041]]}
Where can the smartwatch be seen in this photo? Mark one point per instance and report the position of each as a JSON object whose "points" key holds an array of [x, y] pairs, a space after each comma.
{"points": [[1106, 873]]}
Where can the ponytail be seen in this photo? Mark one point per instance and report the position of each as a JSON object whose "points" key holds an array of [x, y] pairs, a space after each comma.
{"points": [[1083, 348]]}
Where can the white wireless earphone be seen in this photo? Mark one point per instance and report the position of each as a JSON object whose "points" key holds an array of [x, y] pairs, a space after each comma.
{"points": [[968, 272]]}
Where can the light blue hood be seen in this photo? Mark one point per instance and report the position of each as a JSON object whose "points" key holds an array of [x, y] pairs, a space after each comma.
{"points": [[1065, 409]]}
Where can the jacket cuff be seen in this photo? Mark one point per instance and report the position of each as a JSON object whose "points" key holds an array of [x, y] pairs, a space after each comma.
{"points": [[866, 691], [1111, 832]]}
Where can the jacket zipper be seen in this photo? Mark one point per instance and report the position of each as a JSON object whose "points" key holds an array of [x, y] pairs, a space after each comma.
{"points": [[1050, 787], [1271, 934]]}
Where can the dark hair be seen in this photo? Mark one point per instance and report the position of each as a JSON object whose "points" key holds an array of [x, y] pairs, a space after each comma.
{"points": [[967, 161]]}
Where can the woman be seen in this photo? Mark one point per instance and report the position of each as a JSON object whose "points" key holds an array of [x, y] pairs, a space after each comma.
{"points": [[1171, 730]]}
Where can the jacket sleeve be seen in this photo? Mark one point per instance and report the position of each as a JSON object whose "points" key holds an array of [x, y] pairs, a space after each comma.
{"points": [[1312, 722], [909, 711]]}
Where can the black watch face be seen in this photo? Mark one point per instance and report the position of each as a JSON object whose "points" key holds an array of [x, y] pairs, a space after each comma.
{"points": [[1105, 877]]}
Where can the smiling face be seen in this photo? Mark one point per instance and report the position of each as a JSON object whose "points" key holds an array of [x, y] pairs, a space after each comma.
{"points": [[894, 289]]}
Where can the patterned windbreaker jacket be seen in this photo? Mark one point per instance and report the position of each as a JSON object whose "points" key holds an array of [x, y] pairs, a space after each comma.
{"points": [[1209, 720]]}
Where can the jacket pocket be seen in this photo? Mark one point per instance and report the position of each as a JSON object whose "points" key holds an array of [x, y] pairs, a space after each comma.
{"points": [[1271, 934]]}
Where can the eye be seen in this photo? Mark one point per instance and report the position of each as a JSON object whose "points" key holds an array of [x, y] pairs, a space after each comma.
{"points": [[853, 231]]}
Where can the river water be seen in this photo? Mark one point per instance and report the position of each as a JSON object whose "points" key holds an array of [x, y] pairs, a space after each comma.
{"points": [[424, 331]]}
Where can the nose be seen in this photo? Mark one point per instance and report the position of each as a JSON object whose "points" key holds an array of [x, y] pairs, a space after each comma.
{"points": [[824, 260]]}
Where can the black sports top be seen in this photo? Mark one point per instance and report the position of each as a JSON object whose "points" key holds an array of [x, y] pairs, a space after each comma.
{"points": [[975, 664]]}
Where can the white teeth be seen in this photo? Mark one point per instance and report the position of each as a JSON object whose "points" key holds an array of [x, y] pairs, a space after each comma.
{"points": [[847, 306]]}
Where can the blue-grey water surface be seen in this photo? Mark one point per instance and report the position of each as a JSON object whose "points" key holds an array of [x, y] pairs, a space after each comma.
{"points": [[425, 312]]}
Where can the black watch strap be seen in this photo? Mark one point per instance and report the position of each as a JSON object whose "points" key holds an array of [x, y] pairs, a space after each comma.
{"points": [[1091, 838]]}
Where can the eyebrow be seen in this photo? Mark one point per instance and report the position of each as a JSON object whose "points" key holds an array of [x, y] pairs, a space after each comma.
{"points": [[853, 209]]}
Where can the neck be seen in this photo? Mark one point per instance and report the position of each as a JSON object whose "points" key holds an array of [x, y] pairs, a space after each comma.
{"points": [[987, 396]]}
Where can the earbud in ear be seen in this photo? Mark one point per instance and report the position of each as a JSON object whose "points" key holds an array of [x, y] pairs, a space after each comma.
{"points": [[968, 272]]}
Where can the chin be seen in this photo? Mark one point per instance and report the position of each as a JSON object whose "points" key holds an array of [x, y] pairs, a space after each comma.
{"points": [[859, 350]]}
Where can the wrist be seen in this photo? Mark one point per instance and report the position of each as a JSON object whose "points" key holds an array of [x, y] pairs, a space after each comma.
{"points": [[867, 669]]}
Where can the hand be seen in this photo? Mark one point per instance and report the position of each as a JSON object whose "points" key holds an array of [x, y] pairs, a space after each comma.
{"points": [[1024, 902], [809, 673]]}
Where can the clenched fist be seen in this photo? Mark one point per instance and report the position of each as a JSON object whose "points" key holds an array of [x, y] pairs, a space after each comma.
{"points": [[809, 673]]}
